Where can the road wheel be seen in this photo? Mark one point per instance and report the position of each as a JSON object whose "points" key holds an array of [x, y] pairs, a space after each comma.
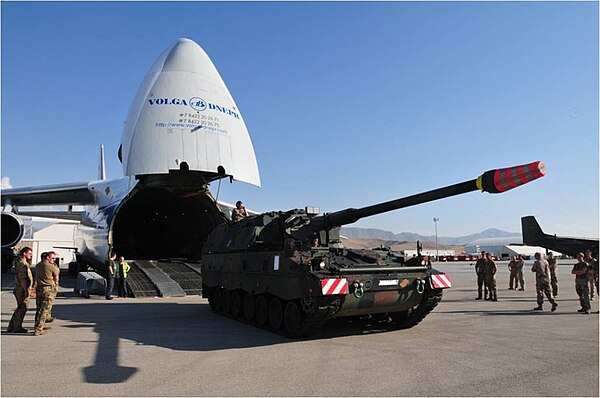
{"points": [[261, 310], [226, 306], [399, 318], [216, 299], [249, 307], [292, 318], [236, 303], [275, 313]]}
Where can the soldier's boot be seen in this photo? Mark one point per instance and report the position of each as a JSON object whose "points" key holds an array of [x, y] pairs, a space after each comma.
{"points": [[49, 320], [587, 312], [478, 298], [20, 330], [538, 308], [581, 310], [522, 289], [38, 332], [554, 305]]}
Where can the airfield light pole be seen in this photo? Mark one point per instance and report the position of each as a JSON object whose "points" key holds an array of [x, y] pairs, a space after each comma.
{"points": [[437, 254]]}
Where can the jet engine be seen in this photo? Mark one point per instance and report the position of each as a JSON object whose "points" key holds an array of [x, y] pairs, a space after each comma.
{"points": [[12, 229]]}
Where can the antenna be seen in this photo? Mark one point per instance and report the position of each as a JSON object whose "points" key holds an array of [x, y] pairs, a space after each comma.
{"points": [[101, 166]]}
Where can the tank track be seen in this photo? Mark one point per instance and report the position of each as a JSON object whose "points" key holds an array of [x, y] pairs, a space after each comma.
{"points": [[314, 313], [412, 317]]}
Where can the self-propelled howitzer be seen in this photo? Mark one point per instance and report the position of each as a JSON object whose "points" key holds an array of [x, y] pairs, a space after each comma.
{"points": [[288, 271]]}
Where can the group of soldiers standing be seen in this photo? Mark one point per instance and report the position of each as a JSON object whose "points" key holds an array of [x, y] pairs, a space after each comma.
{"points": [[486, 277], [45, 286], [546, 280]]}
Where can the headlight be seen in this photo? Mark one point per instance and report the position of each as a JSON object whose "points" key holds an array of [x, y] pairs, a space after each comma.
{"points": [[322, 265]]}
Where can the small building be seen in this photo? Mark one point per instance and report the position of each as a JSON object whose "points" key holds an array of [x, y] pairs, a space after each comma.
{"points": [[43, 234], [505, 247]]}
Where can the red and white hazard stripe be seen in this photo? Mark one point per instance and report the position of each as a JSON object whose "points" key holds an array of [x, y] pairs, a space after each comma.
{"points": [[334, 286], [441, 281]]}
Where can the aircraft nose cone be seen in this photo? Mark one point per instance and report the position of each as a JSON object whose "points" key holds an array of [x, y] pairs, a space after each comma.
{"points": [[184, 118], [183, 56]]}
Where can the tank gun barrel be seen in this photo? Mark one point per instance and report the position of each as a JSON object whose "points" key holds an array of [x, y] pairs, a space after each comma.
{"points": [[492, 181]]}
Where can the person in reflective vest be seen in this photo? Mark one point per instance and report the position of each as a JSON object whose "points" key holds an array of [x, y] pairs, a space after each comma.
{"points": [[121, 276]]}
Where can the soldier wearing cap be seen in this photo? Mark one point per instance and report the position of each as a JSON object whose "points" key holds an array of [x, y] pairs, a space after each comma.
{"points": [[46, 275], [593, 272], [581, 270], [542, 282], [24, 282], [480, 271], [553, 267], [519, 263], [512, 280], [490, 277]]}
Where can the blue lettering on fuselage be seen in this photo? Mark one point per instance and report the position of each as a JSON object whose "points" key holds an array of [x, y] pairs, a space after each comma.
{"points": [[196, 103], [224, 110], [167, 101]]}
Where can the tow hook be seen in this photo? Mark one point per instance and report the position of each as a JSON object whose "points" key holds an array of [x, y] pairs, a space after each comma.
{"points": [[420, 286], [358, 289]]}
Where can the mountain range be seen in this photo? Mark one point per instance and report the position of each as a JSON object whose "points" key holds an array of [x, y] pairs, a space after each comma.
{"points": [[373, 233]]}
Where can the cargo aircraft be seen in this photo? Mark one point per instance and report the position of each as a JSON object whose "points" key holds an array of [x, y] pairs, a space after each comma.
{"points": [[183, 131], [534, 236]]}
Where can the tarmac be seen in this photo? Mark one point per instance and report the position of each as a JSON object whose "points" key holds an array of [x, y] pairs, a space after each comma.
{"points": [[178, 347]]}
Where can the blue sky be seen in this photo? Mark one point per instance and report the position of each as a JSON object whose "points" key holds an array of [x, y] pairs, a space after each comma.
{"points": [[347, 104]]}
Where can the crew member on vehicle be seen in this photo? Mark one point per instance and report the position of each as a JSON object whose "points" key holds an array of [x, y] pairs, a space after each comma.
{"points": [[239, 212]]}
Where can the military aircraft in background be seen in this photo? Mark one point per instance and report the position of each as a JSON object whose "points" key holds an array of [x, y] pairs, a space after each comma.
{"points": [[183, 131], [534, 236]]}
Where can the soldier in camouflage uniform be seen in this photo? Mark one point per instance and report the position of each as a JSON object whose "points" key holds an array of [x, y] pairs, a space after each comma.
{"points": [[23, 282], [553, 267], [592, 262], [490, 277], [512, 281], [519, 263], [581, 271], [542, 282], [480, 271], [46, 273]]}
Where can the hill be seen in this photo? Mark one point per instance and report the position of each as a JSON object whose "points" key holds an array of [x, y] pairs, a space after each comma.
{"points": [[379, 234]]}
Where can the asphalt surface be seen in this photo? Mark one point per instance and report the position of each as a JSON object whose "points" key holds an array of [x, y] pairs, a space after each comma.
{"points": [[178, 347]]}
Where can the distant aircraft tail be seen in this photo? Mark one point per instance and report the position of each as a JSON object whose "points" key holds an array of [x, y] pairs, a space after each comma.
{"points": [[532, 232]]}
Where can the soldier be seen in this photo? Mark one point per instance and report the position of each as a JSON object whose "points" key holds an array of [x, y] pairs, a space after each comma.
{"points": [[38, 299], [595, 272], [513, 273], [23, 282], [519, 263], [490, 277], [593, 263], [46, 275], [239, 212], [542, 282], [480, 271], [110, 275], [581, 270], [553, 267]]}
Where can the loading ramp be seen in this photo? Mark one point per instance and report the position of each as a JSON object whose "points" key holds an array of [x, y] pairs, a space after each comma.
{"points": [[164, 278]]}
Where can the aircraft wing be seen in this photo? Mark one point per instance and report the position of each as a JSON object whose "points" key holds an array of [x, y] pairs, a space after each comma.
{"points": [[76, 193]]}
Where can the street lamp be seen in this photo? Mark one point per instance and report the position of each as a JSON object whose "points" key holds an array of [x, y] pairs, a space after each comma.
{"points": [[437, 254]]}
